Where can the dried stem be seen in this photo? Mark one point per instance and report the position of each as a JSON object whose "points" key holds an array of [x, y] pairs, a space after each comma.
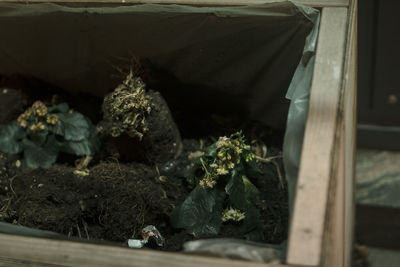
{"points": [[267, 160], [79, 230], [85, 228]]}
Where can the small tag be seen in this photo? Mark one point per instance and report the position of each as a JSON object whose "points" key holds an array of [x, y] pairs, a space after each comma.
{"points": [[136, 243]]}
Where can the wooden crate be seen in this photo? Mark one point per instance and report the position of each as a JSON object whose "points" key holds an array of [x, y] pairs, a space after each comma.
{"points": [[321, 229]]}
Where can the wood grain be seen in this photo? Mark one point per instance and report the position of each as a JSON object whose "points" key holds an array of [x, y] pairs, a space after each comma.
{"points": [[29, 251], [315, 3], [338, 236], [350, 120], [317, 160], [338, 243]]}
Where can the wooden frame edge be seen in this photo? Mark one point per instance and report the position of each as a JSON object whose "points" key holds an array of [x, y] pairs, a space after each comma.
{"points": [[325, 236], [314, 3], [307, 231], [344, 203], [31, 251]]}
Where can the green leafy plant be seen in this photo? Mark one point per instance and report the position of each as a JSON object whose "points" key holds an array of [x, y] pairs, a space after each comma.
{"points": [[41, 132], [223, 192]]}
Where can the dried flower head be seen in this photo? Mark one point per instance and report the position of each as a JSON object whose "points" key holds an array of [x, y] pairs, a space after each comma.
{"points": [[128, 106], [39, 108], [232, 214], [52, 119], [37, 127], [229, 151], [207, 182], [22, 121]]}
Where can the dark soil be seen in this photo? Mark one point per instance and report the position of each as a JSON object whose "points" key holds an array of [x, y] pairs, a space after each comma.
{"points": [[117, 200], [113, 203], [163, 141]]}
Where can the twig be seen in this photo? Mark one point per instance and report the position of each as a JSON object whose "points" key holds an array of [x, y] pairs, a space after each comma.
{"points": [[178, 150], [158, 171], [278, 170], [161, 178], [264, 149], [5, 207], [70, 232], [85, 162], [79, 230], [201, 144], [11, 187], [267, 160], [204, 166], [85, 228]]}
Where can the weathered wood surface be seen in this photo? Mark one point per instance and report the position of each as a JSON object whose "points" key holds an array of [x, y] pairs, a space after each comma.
{"points": [[320, 155], [338, 238], [315, 3], [29, 251], [350, 124]]}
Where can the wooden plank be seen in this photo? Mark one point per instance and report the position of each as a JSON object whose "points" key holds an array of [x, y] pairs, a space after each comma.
{"points": [[313, 185], [30, 251], [337, 248], [315, 3], [350, 115]]}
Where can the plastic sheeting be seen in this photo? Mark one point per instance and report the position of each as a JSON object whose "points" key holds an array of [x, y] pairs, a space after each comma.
{"points": [[234, 60], [299, 93], [237, 60]]}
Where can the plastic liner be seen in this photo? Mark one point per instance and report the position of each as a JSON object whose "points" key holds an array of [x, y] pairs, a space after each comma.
{"points": [[299, 93], [236, 60], [244, 61], [234, 249]]}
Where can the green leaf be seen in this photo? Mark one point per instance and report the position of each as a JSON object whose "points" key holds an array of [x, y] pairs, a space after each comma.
{"points": [[76, 126], [11, 136], [40, 156], [249, 187], [251, 191], [252, 169], [211, 151], [252, 227], [88, 146], [58, 128], [200, 213], [236, 190], [39, 138], [63, 108], [190, 174]]}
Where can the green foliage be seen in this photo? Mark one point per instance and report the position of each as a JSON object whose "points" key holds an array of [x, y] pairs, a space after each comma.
{"points": [[223, 192], [42, 132], [200, 213]]}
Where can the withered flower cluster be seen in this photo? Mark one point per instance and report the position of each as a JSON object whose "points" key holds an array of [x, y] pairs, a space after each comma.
{"points": [[128, 106], [36, 117], [228, 155]]}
